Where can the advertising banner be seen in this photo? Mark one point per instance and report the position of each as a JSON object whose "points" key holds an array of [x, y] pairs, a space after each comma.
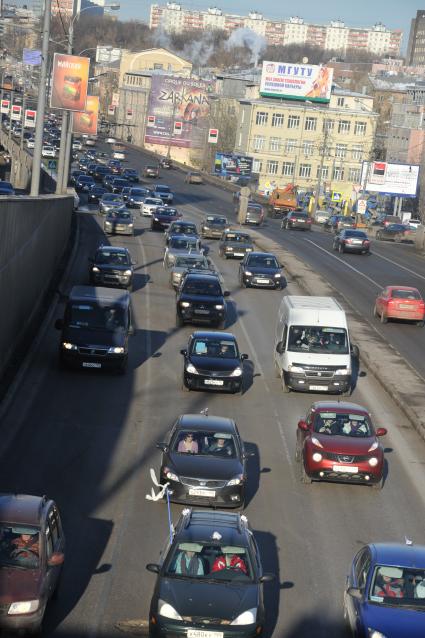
{"points": [[115, 99], [129, 114], [69, 82], [111, 109], [177, 100], [5, 106], [85, 122], [16, 112], [391, 179], [213, 136], [229, 164], [296, 81], [30, 118]]}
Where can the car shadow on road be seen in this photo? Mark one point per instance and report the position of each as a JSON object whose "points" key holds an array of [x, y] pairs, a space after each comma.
{"points": [[270, 562], [144, 345], [253, 471], [317, 625], [140, 281]]}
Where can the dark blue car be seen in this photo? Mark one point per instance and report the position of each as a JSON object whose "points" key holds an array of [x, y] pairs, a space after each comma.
{"points": [[385, 592]]}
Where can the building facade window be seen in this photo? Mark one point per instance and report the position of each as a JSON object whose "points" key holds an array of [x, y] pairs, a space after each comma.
{"points": [[257, 166], [272, 166], [360, 128], [308, 148], [294, 121], [277, 119], [344, 127], [328, 125], [291, 146], [261, 118], [275, 144], [341, 151], [354, 175], [288, 169], [310, 123], [259, 142], [338, 173], [357, 152], [340, 101], [324, 171], [305, 170]]}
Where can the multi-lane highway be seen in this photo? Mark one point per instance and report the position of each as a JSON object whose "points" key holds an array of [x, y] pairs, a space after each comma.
{"points": [[88, 440]]}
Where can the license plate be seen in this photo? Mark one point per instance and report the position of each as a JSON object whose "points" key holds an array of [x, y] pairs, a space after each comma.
{"points": [[263, 281], [90, 364], [322, 388], [201, 633], [346, 469], [213, 382], [406, 305], [239, 254], [201, 312], [195, 492], [301, 221], [356, 241]]}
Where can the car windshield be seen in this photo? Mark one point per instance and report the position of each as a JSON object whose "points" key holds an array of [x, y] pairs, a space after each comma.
{"points": [[151, 201], [220, 444], [184, 229], [209, 561], [405, 294], [169, 212], [19, 546], [162, 189], [112, 257], [130, 171], [238, 237], [95, 317], [139, 192], [299, 216], [343, 424], [119, 182], [121, 214], [201, 287], [111, 198], [317, 339], [222, 348], [85, 178], [262, 261], [182, 244], [396, 227], [217, 221], [191, 262], [398, 587]]}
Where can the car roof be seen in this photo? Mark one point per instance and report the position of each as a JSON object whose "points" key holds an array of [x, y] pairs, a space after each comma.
{"points": [[100, 294], [402, 288], [237, 232], [21, 508], [259, 253], [208, 423], [212, 334], [399, 554], [203, 523], [201, 276], [181, 236], [339, 406], [113, 249]]}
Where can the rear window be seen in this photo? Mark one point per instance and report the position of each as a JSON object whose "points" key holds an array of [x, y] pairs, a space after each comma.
{"points": [[405, 294], [355, 233], [217, 220], [201, 287], [112, 257]]}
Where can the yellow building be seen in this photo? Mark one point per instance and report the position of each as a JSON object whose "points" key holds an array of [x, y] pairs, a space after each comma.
{"points": [[153, 60], [308, 144]]}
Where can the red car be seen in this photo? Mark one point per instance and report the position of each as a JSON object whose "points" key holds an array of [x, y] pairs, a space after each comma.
{"points": [[400, 302], [337, 442]]}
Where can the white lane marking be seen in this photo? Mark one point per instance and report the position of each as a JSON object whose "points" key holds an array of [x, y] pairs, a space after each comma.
{"points": [[359, 272], [395, 263]]}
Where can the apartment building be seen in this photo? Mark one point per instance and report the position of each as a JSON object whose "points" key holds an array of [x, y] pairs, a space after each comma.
{"points": [[173, 17], [416, 45], [304, 143], [406, 134]]}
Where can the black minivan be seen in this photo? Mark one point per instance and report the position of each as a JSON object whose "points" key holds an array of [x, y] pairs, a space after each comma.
{"points": [[95, 328]]}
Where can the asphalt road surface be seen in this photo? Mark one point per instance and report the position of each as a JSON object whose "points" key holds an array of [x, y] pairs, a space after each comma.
{"points": [[88, 440]]}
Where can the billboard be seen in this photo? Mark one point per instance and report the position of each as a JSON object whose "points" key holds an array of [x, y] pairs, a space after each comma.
{"points": [[391, 179], [29, 118], [85, 122], [229, 164], [179, 100], [296, 81], [5, 106], [69, 82], [16, 112]]}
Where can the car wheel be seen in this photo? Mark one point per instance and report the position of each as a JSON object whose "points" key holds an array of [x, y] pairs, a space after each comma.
{"points": [[297, 453], [346, 393], [221, 324], [375, 311], [341, 248], [304, 476], [379, 485], [384, 319], [179, 321], [397, 239], [185, 387], [420, 324], [277, 370], [286, 389]]}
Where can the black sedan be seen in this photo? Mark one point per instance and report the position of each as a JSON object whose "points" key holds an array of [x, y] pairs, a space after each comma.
{"points": [[181, 227], [95, 193], [353, 241], [111, 266], [235, 244], [131, 175], [209, 579], [261, 270], [117, 185], [204, 461], [136, 197], [201, 299], [213, 226], [84, 183], [299, 220], [212, 361], [119, 222], [163, 217], [394, 232]]}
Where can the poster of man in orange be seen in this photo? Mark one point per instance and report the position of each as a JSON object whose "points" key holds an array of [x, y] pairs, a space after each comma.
{"points": [[69, 82], [85, 122]]}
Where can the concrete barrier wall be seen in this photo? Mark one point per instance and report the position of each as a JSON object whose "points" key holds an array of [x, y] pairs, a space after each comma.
{"points": [[33, 237]]}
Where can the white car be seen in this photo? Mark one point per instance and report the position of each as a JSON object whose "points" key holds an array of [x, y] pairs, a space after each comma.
{"points": [[414, 223], [76, 145], [48, 151], [321, 216], [110, 140], [150, 205], [90, 142], [30, 142]]}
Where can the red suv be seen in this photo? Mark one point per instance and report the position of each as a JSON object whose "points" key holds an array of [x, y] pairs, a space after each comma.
{"points": [[337, 441], [32, 546]]}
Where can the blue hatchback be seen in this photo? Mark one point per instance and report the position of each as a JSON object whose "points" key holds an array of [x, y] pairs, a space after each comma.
{"points": [[385, 592]]}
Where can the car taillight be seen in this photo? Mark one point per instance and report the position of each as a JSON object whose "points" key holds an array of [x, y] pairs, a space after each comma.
{"points": [[309, 220], [366, 241]]}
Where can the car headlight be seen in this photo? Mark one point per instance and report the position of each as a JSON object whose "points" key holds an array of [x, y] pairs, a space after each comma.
{"points": [[373, 446], [219, 306], [191, 369], [127, 273], [95, 269], [317, 457], [229, 248], [316, 441], [24, 607], [236, 372], [116, 350], [248, 617], [107, 224], [248, 272], [156, 219], [278, 274], [130, 225], [341, 371], [373, 633], [249, 250], [167, 611], [237, 480], [69, 346], [185, 304], [296, 369], [373, 461]]}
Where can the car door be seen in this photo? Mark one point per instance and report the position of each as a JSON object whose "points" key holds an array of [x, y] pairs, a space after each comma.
{"points": [[358, 577]]}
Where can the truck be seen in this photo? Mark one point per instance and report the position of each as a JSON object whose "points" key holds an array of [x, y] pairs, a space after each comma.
{"points": [[282, 200]]}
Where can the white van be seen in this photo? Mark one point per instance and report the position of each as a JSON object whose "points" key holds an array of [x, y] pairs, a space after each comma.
{"points": [[312, 346]]}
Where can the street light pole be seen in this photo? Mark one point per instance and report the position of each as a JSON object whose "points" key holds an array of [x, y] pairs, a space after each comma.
{"points": [[41, 103]]}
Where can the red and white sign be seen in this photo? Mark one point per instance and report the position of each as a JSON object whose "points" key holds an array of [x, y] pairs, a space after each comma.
{"points": [[5, 106], [30, 118], [16, 112], [115, 99], [111, 109], [151, 120], [129, 114], [213, 136], [178, 126]]}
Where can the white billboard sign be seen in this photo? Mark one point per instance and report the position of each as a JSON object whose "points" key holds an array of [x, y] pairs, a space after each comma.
{"points": [[296, 81], [392, 179]]}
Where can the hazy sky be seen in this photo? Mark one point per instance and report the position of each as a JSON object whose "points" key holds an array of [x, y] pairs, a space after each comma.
{"points": [[395, 14]]}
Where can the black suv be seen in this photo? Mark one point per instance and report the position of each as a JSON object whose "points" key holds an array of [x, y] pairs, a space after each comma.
{"points": [[209, 579], [111, 266], [201, 298]]}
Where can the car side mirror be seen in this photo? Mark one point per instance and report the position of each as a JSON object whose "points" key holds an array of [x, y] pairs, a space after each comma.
{"points": [[162, 446], [153, 567], [280, 348], [59, 324], [226, 293], [267, 578], [183, 352], [131, 330], [381, 431], [57, 558], [303, 426], [244, 357], [355, 592]]}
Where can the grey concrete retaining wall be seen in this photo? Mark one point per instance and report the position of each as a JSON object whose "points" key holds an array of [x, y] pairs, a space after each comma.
{"points": [[33, 237]]}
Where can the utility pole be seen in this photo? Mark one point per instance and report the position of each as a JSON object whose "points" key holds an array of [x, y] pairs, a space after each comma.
{"points": [[41, 103], [324, 150], [12, 97]]}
